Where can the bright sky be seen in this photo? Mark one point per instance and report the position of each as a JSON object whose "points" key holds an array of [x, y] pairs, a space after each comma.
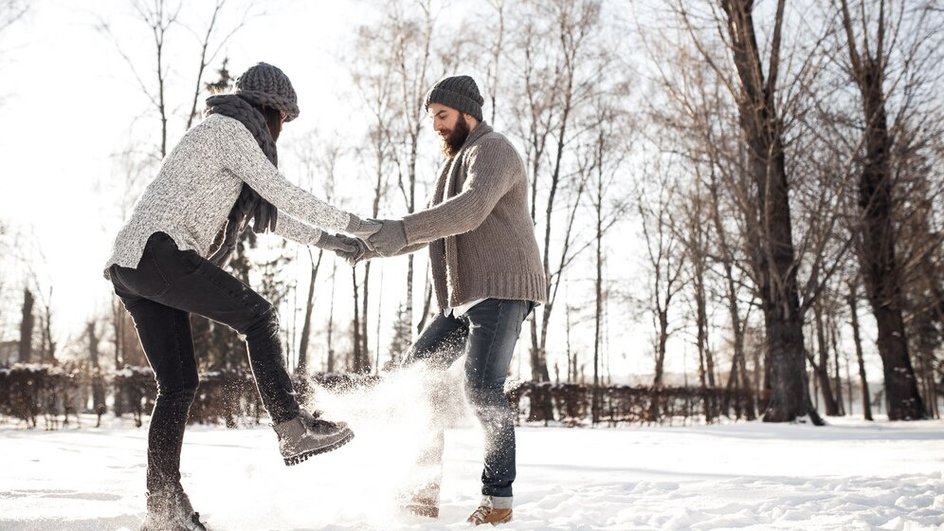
{"points": [[76, 103], [70, 102]]}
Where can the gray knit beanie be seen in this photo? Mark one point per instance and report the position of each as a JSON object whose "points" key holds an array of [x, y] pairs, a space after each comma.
{"points": [[459, 92], [267, 86]]}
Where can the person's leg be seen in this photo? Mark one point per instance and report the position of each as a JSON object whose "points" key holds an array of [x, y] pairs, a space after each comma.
{"points": [[185, 281], [440, 344], [166, 339], [494, 325], [188, 282]]}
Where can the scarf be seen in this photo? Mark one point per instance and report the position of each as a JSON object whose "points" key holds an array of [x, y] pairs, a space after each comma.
{"points": [[249, 205]]}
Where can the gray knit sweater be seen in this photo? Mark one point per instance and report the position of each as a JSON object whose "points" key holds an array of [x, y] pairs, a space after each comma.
{"points": [[198, 183], [480, 234]]}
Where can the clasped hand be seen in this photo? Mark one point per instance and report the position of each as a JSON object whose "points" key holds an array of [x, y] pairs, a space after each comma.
{"points": [[390, 239], [385, 237]]}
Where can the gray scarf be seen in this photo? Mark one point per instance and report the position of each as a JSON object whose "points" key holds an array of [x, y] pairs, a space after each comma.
{"points": [[249, 205]]}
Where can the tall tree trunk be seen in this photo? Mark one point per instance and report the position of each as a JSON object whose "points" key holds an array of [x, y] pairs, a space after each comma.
{"points": [[738, 377], [329, 364], [598, 311], [357, 363], [775, 259], [837, 379], [309, 308], [26, 328], [822, 368], [863, 381], [881, 270], [364, 366], [98, 384]]}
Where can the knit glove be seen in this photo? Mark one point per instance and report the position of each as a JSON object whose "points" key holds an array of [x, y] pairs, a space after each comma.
{"points": [[360, 253], [337, 243], [361, 228], [389, 239]]}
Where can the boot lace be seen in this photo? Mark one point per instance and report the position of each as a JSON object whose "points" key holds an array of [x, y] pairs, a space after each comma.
{"points": [[478, 516]]}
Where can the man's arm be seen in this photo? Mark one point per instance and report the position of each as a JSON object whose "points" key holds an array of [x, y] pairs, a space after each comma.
{"points": [[492, 169]]}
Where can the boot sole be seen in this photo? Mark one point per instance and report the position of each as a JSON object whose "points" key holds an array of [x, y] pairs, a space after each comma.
{"points": [[423, 510], [296, 459], [504, 520]]}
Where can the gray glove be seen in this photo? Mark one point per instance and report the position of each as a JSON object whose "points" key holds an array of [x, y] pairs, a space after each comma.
{"points": [[389, 239], [361, 251], [337, 243], [361, 228]]}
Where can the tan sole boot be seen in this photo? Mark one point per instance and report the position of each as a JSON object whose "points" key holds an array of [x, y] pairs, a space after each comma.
{"points": [[489, 515]]}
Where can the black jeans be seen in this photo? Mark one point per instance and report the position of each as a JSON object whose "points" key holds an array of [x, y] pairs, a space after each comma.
{"points": [[160, 294], [486, 334]]}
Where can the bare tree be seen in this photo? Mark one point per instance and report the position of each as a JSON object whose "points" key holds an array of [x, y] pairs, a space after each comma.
{"points": [[555, 75], [694, 235], [396, 59], [161, 18], [12, 11], [666, 259], [609, 205], [98, 384], [26, 327], [755, 89], [413, 52], [322, 163], [853, 301], [821, 368], [871, 42], [211, 44]]}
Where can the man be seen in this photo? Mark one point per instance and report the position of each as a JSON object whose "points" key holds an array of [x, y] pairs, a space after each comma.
{"points": [[487, 273]]}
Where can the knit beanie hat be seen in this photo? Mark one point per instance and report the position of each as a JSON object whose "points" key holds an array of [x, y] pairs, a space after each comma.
{"points": [[459, 92], [267, 86]]}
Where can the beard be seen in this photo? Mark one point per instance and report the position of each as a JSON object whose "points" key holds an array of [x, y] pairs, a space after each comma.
{"points": [[452, 142]]}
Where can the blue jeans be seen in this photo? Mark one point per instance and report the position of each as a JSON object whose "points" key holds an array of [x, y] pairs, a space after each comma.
{"points": [[160, 294], [486, 334]]}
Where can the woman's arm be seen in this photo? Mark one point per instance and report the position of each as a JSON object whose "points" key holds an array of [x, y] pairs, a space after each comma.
{"points": [[241, 155], [290, 228]]}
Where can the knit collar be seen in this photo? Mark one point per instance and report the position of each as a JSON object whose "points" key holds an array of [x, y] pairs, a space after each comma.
{"points": [[480, 130]]}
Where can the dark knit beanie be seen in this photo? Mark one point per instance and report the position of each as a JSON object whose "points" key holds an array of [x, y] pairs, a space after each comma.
{"points": [[267, 86], [459, 92]]}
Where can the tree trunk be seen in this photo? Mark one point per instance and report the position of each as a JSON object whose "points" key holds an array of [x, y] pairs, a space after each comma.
{"points": [[738, 378], [863, 381], [837, 379], [309, 308], [356, 353], [775, 258], [822, 368], [329, 364], [98, 385], [881, 270], [364, 366], [26, 328]]}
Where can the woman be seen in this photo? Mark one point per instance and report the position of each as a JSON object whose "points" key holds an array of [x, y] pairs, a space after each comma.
{"points": [[167, 264]]}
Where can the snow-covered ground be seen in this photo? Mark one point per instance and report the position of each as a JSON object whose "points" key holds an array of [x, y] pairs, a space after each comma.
{"points": [[850, 475]]}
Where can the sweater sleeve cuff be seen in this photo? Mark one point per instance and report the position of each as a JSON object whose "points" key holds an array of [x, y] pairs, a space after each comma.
{"points": [[418, 228]]}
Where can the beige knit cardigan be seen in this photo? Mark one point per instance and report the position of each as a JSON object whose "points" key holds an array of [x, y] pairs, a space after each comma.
{"points": [[478, 227]]}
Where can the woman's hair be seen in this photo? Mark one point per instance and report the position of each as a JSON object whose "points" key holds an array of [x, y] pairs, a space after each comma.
{"points": [[273, 119]]}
